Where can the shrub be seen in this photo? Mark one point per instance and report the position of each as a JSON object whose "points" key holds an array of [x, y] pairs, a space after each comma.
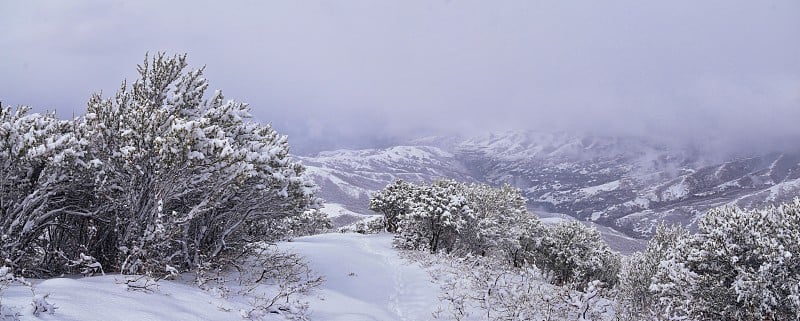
{"points": [[159, 175], [741, 265], [573, 253], [637, 272]]}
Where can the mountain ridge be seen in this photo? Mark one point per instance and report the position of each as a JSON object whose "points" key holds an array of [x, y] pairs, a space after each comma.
{"points": [[625, 183]]}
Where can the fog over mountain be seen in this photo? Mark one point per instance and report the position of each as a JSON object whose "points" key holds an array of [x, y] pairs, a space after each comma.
{"points": [[722, 75]]}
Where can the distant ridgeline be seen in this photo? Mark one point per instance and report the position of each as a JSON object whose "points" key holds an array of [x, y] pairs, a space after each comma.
{"points": [[628, 184]]}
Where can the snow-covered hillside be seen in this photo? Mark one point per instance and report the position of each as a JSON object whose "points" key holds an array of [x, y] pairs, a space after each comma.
{"points": [[625, 183], [348, 177]]}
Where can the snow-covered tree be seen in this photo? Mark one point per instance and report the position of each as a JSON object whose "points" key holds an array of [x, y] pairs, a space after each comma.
{"points": [[310, 222], [436, 214], [638, 270], [159, 175], [185, 178], [469, 219], [392, 202], [39, 188], [573, 253], [499, 223], [530, 239], [741, 265]]}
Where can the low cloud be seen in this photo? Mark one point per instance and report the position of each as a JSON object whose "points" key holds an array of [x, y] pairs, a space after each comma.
{"points": [[365, 73]]}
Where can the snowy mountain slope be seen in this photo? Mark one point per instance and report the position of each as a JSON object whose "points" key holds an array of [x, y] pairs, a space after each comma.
{"points": [[748, 182], [348, 177], [340, 215], [629, 184]]}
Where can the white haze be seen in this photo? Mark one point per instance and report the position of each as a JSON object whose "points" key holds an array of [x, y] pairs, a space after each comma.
{"points": [[358, 73]]}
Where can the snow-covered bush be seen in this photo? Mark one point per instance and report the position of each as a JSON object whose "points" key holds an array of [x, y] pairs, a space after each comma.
{"points": [[8, 314], [451, 216], [572, 253], [392, 202], [40, 305], [40, 191], [88, 265], [530, 238], [741, 265], [369, 225], [500, 223], [636, 301], [488, 288], [494, 222], [185, 179], [38, 302], [159, 175], [436, 214], [309, 222], [271, 281]]}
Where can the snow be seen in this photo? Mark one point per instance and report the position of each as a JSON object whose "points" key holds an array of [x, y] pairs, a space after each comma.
{"points": [[777, 191], [554, 220], [728, 185], [101, 298], [675, 191], [775, 164], [358, 158], [782, 191], [335, 210], [607, 187], [326, 173], [641, 202], [554, 197], [365, 279]]}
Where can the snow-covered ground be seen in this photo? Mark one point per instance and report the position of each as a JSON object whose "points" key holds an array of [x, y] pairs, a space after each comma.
{"points": [[365, 279], [104, 298]]}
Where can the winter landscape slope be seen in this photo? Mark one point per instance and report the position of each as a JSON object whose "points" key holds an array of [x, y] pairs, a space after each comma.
{"points": [[365, 279], [628, 184], [348, 177]]}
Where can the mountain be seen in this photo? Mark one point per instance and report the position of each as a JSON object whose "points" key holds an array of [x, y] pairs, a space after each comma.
{"points": [[625, 183], [348, 177]]}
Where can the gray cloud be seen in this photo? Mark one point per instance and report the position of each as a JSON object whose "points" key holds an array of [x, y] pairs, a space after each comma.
{"points": [[359, 73]]}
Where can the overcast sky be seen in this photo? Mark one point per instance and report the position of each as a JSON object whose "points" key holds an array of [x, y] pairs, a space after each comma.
{"points": [[357, 73]]}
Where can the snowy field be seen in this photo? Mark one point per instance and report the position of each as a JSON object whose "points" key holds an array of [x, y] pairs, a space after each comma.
{"points": [[103, 298], [365, 279]]}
